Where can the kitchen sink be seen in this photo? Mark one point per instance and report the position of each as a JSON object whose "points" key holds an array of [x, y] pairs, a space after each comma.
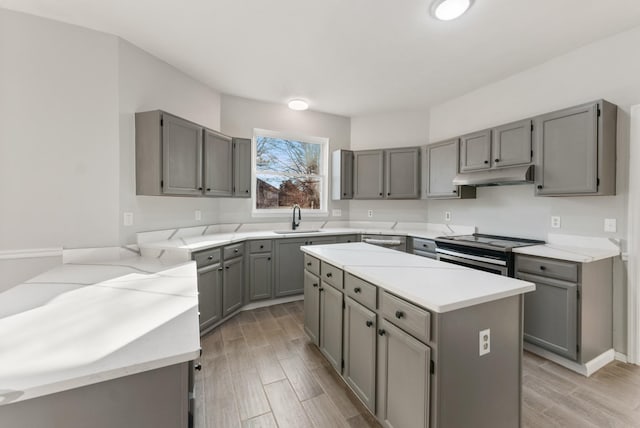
{"points": [[286, 232]]}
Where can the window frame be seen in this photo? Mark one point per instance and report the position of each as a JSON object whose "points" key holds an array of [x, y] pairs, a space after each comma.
{"points": [[323, 174]]}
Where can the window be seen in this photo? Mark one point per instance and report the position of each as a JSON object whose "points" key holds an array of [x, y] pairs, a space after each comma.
{"points": [[289, 170]]}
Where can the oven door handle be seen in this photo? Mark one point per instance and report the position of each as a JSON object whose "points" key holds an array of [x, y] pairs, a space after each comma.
{"points": [[463, 256]]}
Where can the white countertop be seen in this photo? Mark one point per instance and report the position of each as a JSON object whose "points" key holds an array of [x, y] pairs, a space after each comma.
{"points": [[183, 246], [581, 249], [436, 286], [84, 323]]}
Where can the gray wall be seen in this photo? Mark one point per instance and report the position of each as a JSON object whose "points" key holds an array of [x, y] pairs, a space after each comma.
{"points": [[239, 117]]}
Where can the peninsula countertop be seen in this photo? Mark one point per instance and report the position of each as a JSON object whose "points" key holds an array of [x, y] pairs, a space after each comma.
{"points": [[87, 322], [436, 286]]}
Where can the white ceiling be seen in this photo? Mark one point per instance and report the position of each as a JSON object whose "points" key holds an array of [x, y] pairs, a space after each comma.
{"points": [[348, 57]]}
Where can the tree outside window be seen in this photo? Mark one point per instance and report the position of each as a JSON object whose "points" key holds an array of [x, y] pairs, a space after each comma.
{"points": [[289, 171]]}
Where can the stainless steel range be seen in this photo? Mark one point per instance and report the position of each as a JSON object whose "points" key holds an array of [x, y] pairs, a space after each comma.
{"points": [[489, 253]]}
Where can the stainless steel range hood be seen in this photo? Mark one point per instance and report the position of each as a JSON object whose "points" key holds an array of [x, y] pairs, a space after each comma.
{"points": [[496, 177]]}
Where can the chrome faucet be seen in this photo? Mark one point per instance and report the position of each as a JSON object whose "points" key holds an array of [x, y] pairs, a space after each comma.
{"points": [[295, 224]]}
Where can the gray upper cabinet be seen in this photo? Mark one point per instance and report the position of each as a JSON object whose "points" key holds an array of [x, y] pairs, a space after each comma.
{"points": [[576, 151], [168, 155], [218, 161], [475, 151], [242, 167], [402, 173], [511, 144], [442, 167], [341, 175], [368, 174]]}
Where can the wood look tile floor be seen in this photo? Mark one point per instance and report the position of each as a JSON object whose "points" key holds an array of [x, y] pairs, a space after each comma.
{"points": [[260, 370]]}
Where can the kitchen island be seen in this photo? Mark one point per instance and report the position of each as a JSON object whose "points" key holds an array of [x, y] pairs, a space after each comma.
{"points": [[101, 344], [422, 343]]}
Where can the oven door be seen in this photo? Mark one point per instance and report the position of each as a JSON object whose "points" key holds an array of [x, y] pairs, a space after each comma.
{"points": [[486, 264]]}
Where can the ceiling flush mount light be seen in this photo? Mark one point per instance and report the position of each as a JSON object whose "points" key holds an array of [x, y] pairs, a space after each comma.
{"points": [[446, 10], [298, 104]]}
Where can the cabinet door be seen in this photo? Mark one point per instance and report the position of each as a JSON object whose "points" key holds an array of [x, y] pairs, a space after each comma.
{"points": [[218, 162], [331, 325], [181, 156], [232, 286], [312, 306], [368, 174], [341, 175], [242, 167], [403, 379], [551, 315], [512, 144], [442, 162], [347, 238], [567, 142], [260, 276], [402, 173], [360, 351], [475, 151], [210, 295], [289, 267]]}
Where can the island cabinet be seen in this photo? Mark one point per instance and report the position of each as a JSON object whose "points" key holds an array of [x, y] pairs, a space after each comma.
{"points": [[443, 161], [289, 276], [576, 151], [260, 270], [570, 312], [412, 367]]}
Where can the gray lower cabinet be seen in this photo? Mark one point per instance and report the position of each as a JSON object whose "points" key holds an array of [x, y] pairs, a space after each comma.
{"points": [[330, 342], [570, 312], [289, 263], [312, 306], [443, 160], [402, 173], [242, 167], [168, 155], [218, 161], [232, 285], [424, 247], [576, 151], [360, 351], [368, 174], [260, 276], [341, 239], [403, 379], [210, 295]]}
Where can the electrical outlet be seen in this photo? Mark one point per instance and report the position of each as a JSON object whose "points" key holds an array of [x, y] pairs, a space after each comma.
{"points": [[610, 225], [555, 222], [484, 342], [127, 219], [198, 215], [447, 216], [369, 213], [336, 212]]}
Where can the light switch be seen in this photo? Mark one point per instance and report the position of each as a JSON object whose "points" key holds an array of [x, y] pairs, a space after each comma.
{"points": [[610, 225]]}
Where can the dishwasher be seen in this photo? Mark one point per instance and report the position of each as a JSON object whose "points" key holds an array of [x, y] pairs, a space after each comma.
{"points": [[388, 241]]}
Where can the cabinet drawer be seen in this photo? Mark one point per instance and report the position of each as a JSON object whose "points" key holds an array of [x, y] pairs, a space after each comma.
{"points": [[207, 257], [331, 275], [312, 264], [262, 246], [424, 245], [407, 316], [567, 271], [360, 291], [232, 251]]}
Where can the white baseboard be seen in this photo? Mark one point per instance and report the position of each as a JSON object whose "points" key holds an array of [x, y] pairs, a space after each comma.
{"points": [[265, 303], [621, 357], [586, 369]]}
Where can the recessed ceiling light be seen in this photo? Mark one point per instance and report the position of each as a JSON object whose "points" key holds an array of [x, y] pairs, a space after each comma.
{"points": [[298, 104], [446, 10]]}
